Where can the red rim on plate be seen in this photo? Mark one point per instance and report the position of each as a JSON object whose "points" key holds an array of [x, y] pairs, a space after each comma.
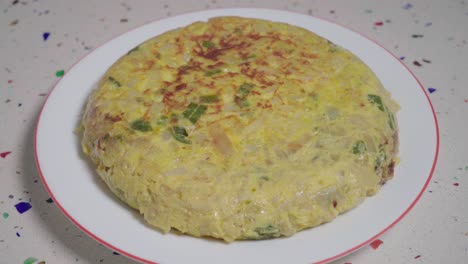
{"points": [[340, 255]]}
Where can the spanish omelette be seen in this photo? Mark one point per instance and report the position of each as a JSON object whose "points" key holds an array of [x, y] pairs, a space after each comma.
{"points": [[240, 128]]}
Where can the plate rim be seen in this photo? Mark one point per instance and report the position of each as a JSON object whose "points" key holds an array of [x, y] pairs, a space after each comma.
{"points": [[329, 259]]}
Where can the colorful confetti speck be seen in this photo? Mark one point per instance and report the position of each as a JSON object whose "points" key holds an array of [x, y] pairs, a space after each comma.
{"points": [[4, 154], [402, 57], [45, 35], [5, 215], [376, 243], [30, 260], [456, 184], [18, 234], [379, 24], [59, 73], [417, 63], [418, 256], [407, 6], [23, 207], [431, 90]]}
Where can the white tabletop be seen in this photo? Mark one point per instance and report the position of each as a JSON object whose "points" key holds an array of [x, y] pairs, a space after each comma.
{"points": [[39, 38]]}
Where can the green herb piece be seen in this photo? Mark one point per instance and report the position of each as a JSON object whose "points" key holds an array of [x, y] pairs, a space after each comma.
{"points": [[212, 72], [242, 93], [114, 81], [212, 98], [141, 125], [208, 44], [380, 158], [359, 147], [245, 89], [265, 178], [133, 50], [332, 47], [194, 112], [391, 120], [180, 134], [162, 120], [268, 231], [375, 99]]}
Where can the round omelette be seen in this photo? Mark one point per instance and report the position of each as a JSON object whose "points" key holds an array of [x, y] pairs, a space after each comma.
{"points": [[240, 128]]}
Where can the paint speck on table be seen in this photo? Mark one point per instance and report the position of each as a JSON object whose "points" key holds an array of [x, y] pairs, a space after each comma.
{"points": [[59, 73], [14, 22], [5, 215], [376, 243], [431, 90], [5, 154], [45, 35], [417, 63], [49, 200], [18, 234], [115, 253], [407, 6], [30, 260], [402, 57], [123, 20], [428, 24], [23, 207], [418, 256], [456, 184], [378, 23], [417, 36]]}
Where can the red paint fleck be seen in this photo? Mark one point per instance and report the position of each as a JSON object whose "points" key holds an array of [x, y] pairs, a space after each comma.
{"points": [[379, 24], [456, 184], [10, 81], [418, 256], [4, 154], [376, 243], [466, 100]]}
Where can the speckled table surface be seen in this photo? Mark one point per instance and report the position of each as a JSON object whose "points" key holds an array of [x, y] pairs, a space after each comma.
{"points": [[40, 38]]}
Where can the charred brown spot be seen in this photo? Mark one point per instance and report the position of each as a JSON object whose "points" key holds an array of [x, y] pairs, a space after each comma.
{"points": [[335, 203], [278, 54], [180, 87], [112, 118], [391, 168]]}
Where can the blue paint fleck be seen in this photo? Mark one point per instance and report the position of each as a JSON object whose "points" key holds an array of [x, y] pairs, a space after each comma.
{"points": [[18, 235], [45, 35], [431, 90], [428, 24], [23, 207], [402, 57], [407, 6]]}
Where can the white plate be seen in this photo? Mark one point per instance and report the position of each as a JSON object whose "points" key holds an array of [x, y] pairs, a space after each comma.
{"points": [[81, 196]]}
